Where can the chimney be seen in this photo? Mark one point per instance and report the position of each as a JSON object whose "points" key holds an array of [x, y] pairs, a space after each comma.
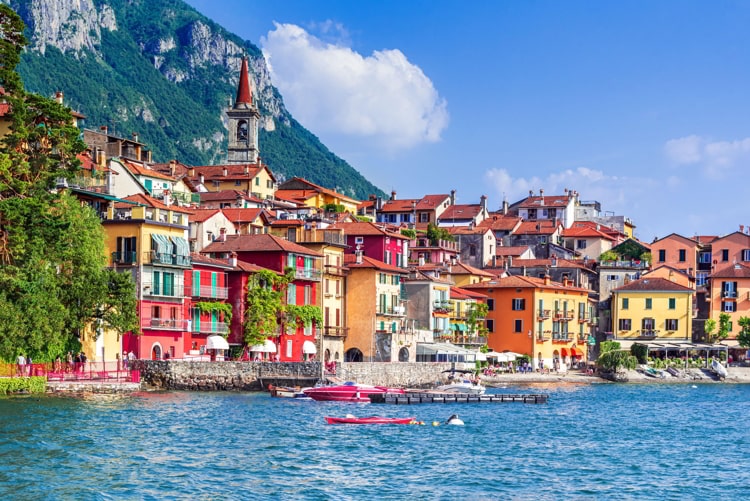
{"points": [[100, 158], [223, 235], [59, 97], [233, 258], [505, 206], [379, 203], [247, 169], [358, 257], [224, 172], [201, 179], [742, 228], [547, 279], [483, 201], [103, 129], [531, 193], [567, 282], [135, 136], [191, 172], [453, 197], [172, 167], [393, 195], [421, 260]]}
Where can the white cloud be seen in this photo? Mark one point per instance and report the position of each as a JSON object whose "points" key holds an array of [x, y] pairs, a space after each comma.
{"points": [[716, 158], [332, 89]]}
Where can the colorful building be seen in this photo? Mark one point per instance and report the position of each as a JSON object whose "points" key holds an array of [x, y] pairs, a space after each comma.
{"points": [[376, 241]]}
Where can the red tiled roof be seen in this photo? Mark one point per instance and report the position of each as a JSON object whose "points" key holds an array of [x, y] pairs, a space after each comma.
{"points": [[258, 243], [540, 227], [464, 269], [365, 228], [501, 222], [180, 169], [142, 169], [234, 172], [535, 202], [201, 215], [654, 284], [242, 215], [4, 109], [287, 222], [561, 263], [467, 230], [399, 205], [151, 202], [461, 293], [201, 259], [350, 260], [515, 250], [460, 212], [585, 232], [311, 190], [706, 239], [518, 281], [672, 236], [732, 271], [429, 202]]}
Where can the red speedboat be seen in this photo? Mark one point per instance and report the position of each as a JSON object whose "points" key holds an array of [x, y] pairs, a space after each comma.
{"points": [[369, 420], [348, 392]]}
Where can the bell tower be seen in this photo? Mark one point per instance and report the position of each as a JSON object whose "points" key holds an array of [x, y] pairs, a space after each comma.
{"points": [[243, 116]]}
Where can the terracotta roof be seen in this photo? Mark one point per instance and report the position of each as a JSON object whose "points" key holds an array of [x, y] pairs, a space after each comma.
{"points": [[151, 202], [671, 236], [350, 260], [366, 204], [518, 281], [142, 169], [511, 250], [654, 284], [501, 222], [422, 273], [705, 239], [535, 202], [201, 215], [4, 109], [287, 222], [540, 227], [732, 271], [258, 243], [88, 163], [461, 293], [467, 230], [234, 172], [585, 232], [242, 215], [561, 263], [399, 205], [180, 169], [312, 187], [201, 259], [464, 269], [252, 268], [364, 228], [243, 88], [429, 202], [460, 212], [672, 268]]}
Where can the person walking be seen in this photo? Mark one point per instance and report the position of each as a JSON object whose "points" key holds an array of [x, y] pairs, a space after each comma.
{"points": [[21, 364]]}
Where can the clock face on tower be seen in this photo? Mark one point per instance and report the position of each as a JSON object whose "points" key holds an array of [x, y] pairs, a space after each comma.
{"points": [[242, 131]]}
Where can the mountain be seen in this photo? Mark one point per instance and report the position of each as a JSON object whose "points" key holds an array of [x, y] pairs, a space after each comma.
{"points": [[162, 70]]}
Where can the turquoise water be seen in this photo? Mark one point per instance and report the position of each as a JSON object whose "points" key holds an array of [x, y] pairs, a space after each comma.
{"points": [[588, 442]]}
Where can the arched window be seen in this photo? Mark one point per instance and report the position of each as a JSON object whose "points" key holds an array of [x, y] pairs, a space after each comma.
{"points": [[403, 355], [353, 355], [242, 130]]}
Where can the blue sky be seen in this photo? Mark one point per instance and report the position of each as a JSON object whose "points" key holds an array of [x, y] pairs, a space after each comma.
{"points": [[641, 105]]}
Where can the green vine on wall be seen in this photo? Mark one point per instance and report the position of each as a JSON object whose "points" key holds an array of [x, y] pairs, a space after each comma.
{"points": [[209, 307], [305, 315]]}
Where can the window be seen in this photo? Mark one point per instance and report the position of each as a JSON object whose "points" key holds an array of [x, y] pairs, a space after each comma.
{"points": [[383, 303], [728, 306], [612, 278], [395, 280], [725, 254], [580, 244], [238, 183], [701, 278], [672, 303], [662, 255], [625, 303], [682, 255], [518, 304], [424, 217], [746, 254], [490, 304], [359, 240], [291, 294], [472, 250], [490, 325], [670, 324], [308, 294], [704, 257], [649, 303], [518, 325], [327, 286], [729, 289], [387, 257], [257, 181], [647, 324], [269, 184]]}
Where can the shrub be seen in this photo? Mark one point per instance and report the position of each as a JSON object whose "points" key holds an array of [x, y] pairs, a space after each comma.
{"points": [[33, 384]]}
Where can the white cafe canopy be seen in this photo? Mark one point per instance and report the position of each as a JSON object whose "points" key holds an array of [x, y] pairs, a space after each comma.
{"points": [[216, 343], [268, 346], [308, 348]]}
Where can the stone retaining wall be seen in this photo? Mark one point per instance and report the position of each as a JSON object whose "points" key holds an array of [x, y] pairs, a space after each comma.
{"points": [[83, 388], [256, 376]]}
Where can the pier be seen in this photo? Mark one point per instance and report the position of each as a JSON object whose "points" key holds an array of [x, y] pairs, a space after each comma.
{"points": [[461, 398]]}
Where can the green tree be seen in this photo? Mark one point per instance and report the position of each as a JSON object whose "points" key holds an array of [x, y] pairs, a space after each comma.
{"points": [[609, 255], [723, 332], [744, 335], [606, 346], [435, 233], [265, 305], [475, 318], [615, 360], [709, 327]]}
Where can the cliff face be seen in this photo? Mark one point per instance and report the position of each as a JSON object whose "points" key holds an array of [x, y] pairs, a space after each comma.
{"points": [[159, 68]]}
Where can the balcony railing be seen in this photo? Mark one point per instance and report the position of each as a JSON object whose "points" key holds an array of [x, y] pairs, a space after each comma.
{"points": [[170, 324], [543, 314], [396, 311], [169, 259], [729, 294], [564, 315], [210, 327], [648, 333], [307, 274], [176, 291], [124, 257], [442, 307], [207, 291], [332, 269], [332, 331], [583, 318], [562, 336], [543, 336], [624, 264]]}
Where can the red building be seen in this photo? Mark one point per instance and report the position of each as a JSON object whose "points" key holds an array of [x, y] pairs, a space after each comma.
{"points": [[376, 241], [276, 254]]}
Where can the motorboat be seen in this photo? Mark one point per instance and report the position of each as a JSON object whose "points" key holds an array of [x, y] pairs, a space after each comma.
{"points": [[462, 386], [348, 392], [349, 419], [287, 392], [650, 371], [719, 369]]}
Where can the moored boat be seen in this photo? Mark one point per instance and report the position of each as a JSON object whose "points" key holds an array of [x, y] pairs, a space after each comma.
{"points": [[650, 371], [719, 369], [349, 419], [287, 391], [464, 386], [348, 392]]}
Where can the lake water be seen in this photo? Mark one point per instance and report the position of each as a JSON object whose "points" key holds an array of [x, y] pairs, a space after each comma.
{"points": [[589, 442]]}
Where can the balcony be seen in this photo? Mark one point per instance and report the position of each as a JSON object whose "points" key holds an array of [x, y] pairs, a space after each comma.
{"points": [[210, 327], [564, 315], [174, 293], [124, 258], [321, 236], [543, 336], [396, 311], [726, 294], [582, 319], [561, 337], [207, 291], [624, 264], [339, 271], [169, 259], [647, 333], [307, 274], [169, 324], [332, 331], [543, 315], [442, 307]]}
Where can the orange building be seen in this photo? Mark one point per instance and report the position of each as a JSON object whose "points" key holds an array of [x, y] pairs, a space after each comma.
{"points": [[676, 251], [548, 321]]}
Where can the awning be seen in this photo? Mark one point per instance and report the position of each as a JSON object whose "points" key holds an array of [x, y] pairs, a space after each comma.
{"points": [[308, 348], [216, 343], [268, 346], [481, 357], [574, 353], [563, 352], [461, 327], [182, 247]]}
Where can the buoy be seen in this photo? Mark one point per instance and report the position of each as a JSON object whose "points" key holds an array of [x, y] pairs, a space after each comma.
{"points": [[454, 420], [435, 423]]}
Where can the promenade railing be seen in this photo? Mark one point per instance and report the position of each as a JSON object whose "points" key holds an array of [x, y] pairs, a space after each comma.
{"points": [[108, 372]]}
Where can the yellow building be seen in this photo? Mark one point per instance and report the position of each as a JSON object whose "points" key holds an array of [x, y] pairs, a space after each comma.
{"points": [[652, 309], [254, 179], [310, 194]]}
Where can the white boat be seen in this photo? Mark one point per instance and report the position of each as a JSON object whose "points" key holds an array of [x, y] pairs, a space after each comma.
{"points": [[462, 386], [719, 369]]}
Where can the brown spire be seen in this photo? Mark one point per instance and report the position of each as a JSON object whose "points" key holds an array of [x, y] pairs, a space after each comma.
{"points": [[243, 89]]}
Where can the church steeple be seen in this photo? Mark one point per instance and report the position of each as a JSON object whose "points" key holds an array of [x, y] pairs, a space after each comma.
{"points": [[243, 117], [244, 95]]}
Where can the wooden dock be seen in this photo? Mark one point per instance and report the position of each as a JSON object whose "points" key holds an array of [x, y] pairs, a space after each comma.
{"points": [[452, 398]]}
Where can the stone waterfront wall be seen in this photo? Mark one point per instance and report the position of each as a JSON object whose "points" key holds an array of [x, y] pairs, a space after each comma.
{"points": [[256, 376], [84, 388]]}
